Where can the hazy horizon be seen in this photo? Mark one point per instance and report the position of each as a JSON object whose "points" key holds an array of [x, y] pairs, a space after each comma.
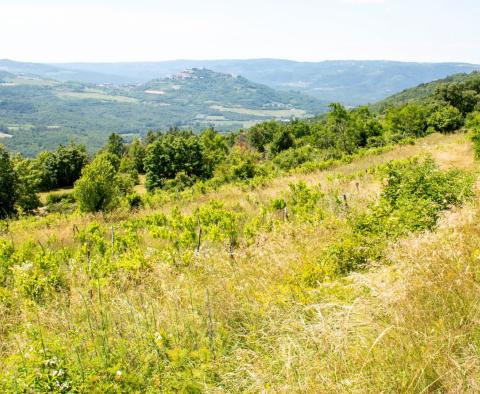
{"points": [[111, 31]]}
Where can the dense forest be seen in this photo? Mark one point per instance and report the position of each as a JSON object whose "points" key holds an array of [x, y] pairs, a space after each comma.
{"points": [[331, 254]]}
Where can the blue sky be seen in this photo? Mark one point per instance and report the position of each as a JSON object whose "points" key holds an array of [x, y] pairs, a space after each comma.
{"points": [[311, 30]]}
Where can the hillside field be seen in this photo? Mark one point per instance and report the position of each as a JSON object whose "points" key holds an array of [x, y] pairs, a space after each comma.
{"points": [[134, 302]]}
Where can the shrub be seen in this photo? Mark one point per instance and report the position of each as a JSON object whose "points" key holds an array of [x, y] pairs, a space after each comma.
{"points": [[134, 201], [446, 119], [294, 157], [414, 194], [473, 123], [55, 198], [97, 190]]}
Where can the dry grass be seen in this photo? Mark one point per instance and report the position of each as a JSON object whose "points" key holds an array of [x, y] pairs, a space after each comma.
{"points": [[411, 326]]}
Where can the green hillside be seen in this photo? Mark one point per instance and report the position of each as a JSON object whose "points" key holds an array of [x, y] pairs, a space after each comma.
{"points": [[325, 255], [351, 82], [41, 113], [427, 91]]}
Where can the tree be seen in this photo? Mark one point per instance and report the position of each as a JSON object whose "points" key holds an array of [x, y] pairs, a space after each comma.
{"points": [[136, 152], [62, 167], [214, 148], [70, 161], [460, 95], [338, 120], [28, 180], [127, 176], [116, 145], [299, 128], [47, 165], [261, 134], [170, 155], [409, 120], [151, 137], [7, 184], [112, 158], [446, 119], [365, 126], [282, 140], [97, 189]]}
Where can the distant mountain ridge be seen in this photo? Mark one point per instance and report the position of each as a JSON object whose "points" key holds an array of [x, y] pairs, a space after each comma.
{"points": [[350, 82]]}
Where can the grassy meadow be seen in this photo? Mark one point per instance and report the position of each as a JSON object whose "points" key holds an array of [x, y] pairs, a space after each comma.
{"points": [[265, 288]]}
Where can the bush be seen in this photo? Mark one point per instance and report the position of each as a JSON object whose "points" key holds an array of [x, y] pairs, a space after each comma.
{"points": [[414, 194], [97, 190], [55, 198], [294, 157], [473, 123], [446, 119], [134, 201]]}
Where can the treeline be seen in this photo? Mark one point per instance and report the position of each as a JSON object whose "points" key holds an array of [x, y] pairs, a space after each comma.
{"points": [[177, 159]]}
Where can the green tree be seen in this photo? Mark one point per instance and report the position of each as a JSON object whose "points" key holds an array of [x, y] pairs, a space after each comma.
{"points": [[338, 124], [116, 145], [446, 119], [365, 126], [282, 140], [409, 120], [462, 96], [127, 176], [62, 167], [70, 161], [214, 148], [28, 180], [171, 154], [261, 134], [136, 151], [97, 188], [8, 181], [47, 165]]}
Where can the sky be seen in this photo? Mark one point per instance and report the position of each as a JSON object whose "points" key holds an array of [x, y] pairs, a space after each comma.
{"points": [[304, 30]]}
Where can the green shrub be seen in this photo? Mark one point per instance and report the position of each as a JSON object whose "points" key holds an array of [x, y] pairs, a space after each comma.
{"points": [[55, 198], [97, 189], [134, 201], [473, 123], [294, 157], [446, 119], [414, 194]]}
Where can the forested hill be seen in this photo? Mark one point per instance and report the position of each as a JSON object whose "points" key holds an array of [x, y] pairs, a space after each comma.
{"points": [[41, 113], [423, 92], [350, 82]]}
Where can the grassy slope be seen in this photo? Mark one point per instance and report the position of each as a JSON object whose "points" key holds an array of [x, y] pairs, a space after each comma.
{"points": [[407, 327]]}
